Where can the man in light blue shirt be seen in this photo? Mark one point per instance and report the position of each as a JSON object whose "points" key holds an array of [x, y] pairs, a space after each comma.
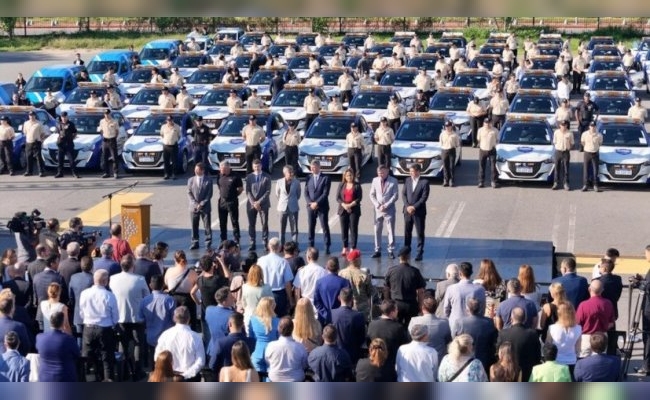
{"points": [[286, 358], [13, 366], [130, 289], [278, 275], [455, 301], [157, 312]]}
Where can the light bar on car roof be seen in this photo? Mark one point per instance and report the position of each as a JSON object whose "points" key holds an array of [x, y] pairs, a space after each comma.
{"points": [[487, 56], [252, 111], [208, 67], [534, 91], [334, 69], [404, 33], [17, 108], [524, 117], [225, 41], [539, 72], [607, 58], [228, 86], [424, 115], [611, 93], [549, 46], [156, 85], [426, 55], [624, 120], [462, 90], [337, 114], [305, 54], [611, 73], [158, 110], [472, 71], [192, 53], [544, 57], [602, 37], [274, 67], [285, 42], [605, 46], [550, 35], [376, 88], [299, 86], [93, 84], [356, 34], [440, 44], [88, 110], [453, 34], [403, 69], [499, 34], [146, 67]]}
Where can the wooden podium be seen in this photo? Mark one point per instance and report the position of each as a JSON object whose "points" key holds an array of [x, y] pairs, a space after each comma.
{"points": [[136, 223]]}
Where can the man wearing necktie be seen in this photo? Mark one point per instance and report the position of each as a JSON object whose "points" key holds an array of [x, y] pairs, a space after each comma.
{"points": [[258, 191], [199, 192], [415, 195], [383, 194], [317, 192]]}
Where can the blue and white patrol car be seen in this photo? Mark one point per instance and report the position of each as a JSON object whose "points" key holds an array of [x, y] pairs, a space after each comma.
{"points": [[426, 61], [355, 40], [204, 42], [602, 63], [328, 50], [204, 79], [120, 60], [261, 80], [299, 64], [640, 51], [213, 105], [290, 103], [611, 80], [144, 149], [156, 51], [612, 103], [543, 62], [457, 38], [452, 103], [88, 143], [79, 96], [189, 61], [402, 80], [243, 63], [525, 149], [550, 39], [277, 49], [372, 103], [17, 116], [418, 142], [498, 37], [476, 79], [141, 104], [307, 39], [228, 145], [625, 152], [549, 50], [403, 37], [229, 33], [60, 79], [535, 103], [325, 141], [539, 80], [131, 84], [331, 77], [221, 47], [599, 40], [492, 48], [249, 38], [606, 50], [439, 48]]}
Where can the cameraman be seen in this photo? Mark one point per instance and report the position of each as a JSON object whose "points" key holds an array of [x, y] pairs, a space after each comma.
{"points": [[49, 237], [26, 236], [228, 255], [639, 282], [75, 234]]}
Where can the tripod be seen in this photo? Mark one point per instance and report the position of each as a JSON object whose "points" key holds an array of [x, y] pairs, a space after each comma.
{"points": [[635, 323]]}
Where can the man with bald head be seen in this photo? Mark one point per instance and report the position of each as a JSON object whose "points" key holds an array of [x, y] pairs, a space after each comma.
{"points": [[525, 342], [595, 315], [144, 266], [120, 246]]}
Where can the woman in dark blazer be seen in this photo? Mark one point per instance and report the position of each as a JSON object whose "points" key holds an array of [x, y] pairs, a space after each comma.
{"points": [[349, 196]]}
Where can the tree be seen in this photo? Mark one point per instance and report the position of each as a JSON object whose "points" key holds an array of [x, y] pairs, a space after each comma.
{"points": [[8, 24]]}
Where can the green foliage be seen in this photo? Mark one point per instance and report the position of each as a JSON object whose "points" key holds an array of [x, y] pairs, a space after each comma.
{"points": [[619, 33], [320, 24], [164, 23], [8, 24]]}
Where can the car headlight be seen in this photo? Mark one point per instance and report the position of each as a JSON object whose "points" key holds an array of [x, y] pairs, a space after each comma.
{"points": [[436, 158], [646, 164], [302, 154], [126, 150], [344, 155], [501, 159], [548, 161]]}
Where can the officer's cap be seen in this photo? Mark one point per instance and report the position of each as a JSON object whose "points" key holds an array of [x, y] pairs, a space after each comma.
{"points": [[587, 94], [311, 90], [638, 99], [233, 91], [64, 114], [353, 125], [420, 91], [565, 100], [592, 123], [199, 118], [183, 87], [93, 92], [31, 113], [292, 123], [254, 90], [383, 119], [252, 118], [487, 120], [107, 112], [566, 123], [4, 118], [449, 123], [404, 252], [170, 118], [165, 89]]}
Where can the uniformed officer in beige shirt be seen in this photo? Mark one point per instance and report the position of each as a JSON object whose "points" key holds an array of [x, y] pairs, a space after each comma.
{"points": [[561, 67], [319, 40], [487, 143], [442, 66], [170, 133], [578, 68], [355, 144], [512, 44], [155, 76], [379, 65], [176, 79], [398, 50], [460, 65], [336, 61], [273, 61], [568, 57], [476, 115], [316, 79], [345, 83], [110, 77], [423, 82], [335, 104], [314, 65], [394, 113], [472, 52], [430, 40], [254, 101], [291, 140], [289, 52], [184, 100], [253, 137], [563, 142], [511, 87], [384, 137], [166, 99], [396, 62], [193, 45], [449, 142], [312, 106], [7, 135], [94, 100], [50, 103], [637, 111], [591, 140], [112, 98], [563, 112], [366, 80], [109, 128], [628, 60], [34, 133], [499, 106], [508, 56], [233, 102]]}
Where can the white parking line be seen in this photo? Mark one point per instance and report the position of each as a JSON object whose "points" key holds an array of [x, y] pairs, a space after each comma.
{"points": [[571, 241], [215, 224], [454, 221], [557, 221], [446, 219]]}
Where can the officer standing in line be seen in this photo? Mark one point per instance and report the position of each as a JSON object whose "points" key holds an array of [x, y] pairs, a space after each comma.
{"points": [[253, 137], [233, 102], [637, 111], [345, 83], [586, 112], [384, 137], [335, 104], [171, 134], [230, 187], [65, 143], [316, 79], [254, 101], [366, 80], [423, 82], [110, 77], [511, 87], [112, 98], [34, 133], [166, 100], [421, 103], [50, 103], [563, 143], [563, 113], [184, 100], [499, 106], [202, 136], [578, 67], [628, 61], [454, 56], [7, 135], [291, 140], [487, 141], [355, 145], [312, 106], [94, 100], [394, 113], [110, 129], [379, 65], [476, 114], [277, 84], [591, 140], [449, 142]]}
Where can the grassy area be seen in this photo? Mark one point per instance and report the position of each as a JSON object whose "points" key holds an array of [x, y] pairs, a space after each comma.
{"points": [[83, 40]]}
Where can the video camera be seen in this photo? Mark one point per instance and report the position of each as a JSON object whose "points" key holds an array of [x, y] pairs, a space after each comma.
{"points": [[29, 224], [90, 237]]}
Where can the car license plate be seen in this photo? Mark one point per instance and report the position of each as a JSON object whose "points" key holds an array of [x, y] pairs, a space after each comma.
{"points": [[325, 163], [622, 171], [232, 160], [146, 159], [524, 170]]}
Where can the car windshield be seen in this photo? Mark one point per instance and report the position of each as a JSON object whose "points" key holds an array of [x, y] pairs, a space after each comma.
{"points": [[151, 125], [86, 124], [420, 131], [472, 81], [299, 63], [644, 46], [398, 79], [538, 82], [262, 78], [249, 40], [353, 62], [329, 128], [613, 106], [206, 76], [596, 42], [442, 50], [491, 50], [243, 62], [605, 66], [42, 83], [215, 98], [278, 49], [382, 51], [374, 100], [309, 40], [292, 98], [606, 52], [147, 97], [331, 78], [16, 120], [487, 62], [354, 41], [533, 105], [610, 83], [221, 49], [189, 61], [525, 133], [79, 95], [421, 62], [327, 50], [553, 41], [459, 41], [550, 51], [154, 54], [233, 126], [101, 67], [544, 64], [623, 135], [450, 102], [139, 76]]}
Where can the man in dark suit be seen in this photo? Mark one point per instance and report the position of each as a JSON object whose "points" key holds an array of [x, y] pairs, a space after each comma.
{"points": [[49, 275], [143, 265], [415, 195], [392, 332], [258, 192], [199, 192], [58, 353], [317, 190], [70, 265], [598, 367], [350, 326], [575, 286], [612, 289], [277, 83], [8, 324], [37, 266], [525, 343], [221, 352], [78, 283], [481, 329]]}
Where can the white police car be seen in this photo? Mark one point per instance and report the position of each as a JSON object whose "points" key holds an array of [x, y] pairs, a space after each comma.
{"points": [[612, 103], [535, 103], [625, 152], [142, 103], [325, 141], [189, 61], [372, 103], [88, 143], [424, 60], [476, 79], [299, 64], [331, 77], [213, 105], [81, 93], [221, 47], [228, 145], [452, 103], [204, 79], [402, 80], [135, 80], [457, 38], [418, 142], [611, 80], [525, 149], [290, 102], [539, 80]]}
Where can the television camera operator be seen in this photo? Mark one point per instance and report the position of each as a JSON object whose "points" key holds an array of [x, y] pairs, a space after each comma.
{"points": [[26, 229], [643, 283], [87, 240]]}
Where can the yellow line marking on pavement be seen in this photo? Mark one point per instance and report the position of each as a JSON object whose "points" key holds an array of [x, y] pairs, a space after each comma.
{"points": [[97, 215], [623, 265]]}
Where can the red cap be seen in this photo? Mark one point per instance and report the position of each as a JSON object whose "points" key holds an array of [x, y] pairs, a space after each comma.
{"points": [[354, 254]]}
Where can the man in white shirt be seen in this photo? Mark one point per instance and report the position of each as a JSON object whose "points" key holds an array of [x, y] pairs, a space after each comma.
{"points": [[305, 282], [563, 88], [286, 358], [417, 362], [185, 345], [278, 275]]}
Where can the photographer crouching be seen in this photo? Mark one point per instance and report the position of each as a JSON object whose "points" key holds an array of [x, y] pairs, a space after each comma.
{"points": [[26, 229], [87, 240]]}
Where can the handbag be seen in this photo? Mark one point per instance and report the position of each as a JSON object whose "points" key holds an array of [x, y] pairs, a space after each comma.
{"points": [[460, 370]]}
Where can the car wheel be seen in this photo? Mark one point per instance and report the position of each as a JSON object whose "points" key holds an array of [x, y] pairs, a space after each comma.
{"points": [[183, 166]]}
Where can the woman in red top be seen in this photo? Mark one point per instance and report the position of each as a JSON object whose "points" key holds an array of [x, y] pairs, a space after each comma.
{"points": [[349, 198]]}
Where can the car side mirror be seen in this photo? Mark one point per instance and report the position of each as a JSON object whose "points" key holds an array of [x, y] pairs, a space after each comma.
{"points": [[52, 129], [188, 132], [130, 132]]}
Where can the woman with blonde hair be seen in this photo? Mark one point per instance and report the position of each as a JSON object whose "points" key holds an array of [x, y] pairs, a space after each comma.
{"points": [[566, 334], [263, 328], [459, 365], [506, 368], [52, 305], [549, 310], [306, 328], [371, 369], [529, 289], [242, 369], [495, 287], [163, 370], [253, 291]]}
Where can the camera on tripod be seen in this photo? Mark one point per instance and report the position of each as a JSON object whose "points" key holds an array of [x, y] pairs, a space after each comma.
{"points": [[29, 224], [89, 238]]}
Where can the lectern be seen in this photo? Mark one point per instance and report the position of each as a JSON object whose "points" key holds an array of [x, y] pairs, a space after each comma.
{"points": [[136, 223]]}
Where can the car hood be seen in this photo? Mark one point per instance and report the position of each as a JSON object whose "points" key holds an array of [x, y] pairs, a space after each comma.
{"points": [[456, 117], [37, 97], [79, 142], [406, 92], [228, 144], [262, 90], [290, 113], [372, 115], [143, 143], [529, 153], [624, 155], [136, 111], [212, 112], [403, 148], [323, 147]]}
